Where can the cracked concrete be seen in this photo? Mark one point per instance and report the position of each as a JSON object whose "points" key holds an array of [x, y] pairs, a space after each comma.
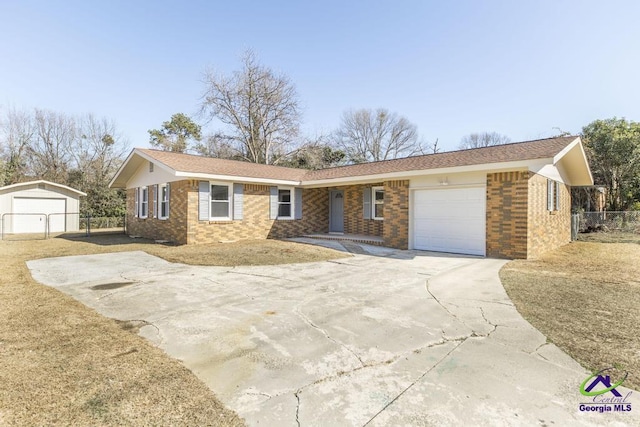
{"points": [[382, 338]]}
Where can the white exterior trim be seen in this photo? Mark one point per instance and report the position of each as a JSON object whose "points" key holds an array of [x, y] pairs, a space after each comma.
{"points": [[412, 192], [494, 167], [141, 190], [159, 202], [232, 178], [42, 181], [373, 203], [545, 166], [229, 186], [565, 150], [292, 203]]}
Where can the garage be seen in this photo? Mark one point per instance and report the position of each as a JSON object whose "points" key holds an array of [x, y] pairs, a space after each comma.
{"points": [[31, 214], [30, 207], [450, 220]]}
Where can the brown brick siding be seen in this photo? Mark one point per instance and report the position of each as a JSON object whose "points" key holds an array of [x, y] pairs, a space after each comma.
{"points": [[255, 223], [547, 230], [172, 228], [354, 222], [183, 226], [507, 214], [518, 222], [396, 214]]}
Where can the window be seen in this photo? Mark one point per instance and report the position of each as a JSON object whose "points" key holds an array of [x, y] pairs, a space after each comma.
{"points": [[143, 205], [378, 202], [220, 202], [163, 201], [284, 203], [553, 195]]}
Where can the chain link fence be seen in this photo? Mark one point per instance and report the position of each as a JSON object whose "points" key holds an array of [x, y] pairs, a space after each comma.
{"points": [[625, 222], [34, 226], [103, 224]]}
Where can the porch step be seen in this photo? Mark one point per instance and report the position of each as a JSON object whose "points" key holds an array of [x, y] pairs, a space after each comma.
{"points": [[356, 238]]}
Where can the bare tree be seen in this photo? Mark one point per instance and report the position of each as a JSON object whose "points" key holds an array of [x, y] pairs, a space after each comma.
{"points": [[366, 135], [97, 153], [317, 152], [259, 107], [216, 145], [16, 132], [83, 152], [50, 148], [483, 139], [433, 148]]}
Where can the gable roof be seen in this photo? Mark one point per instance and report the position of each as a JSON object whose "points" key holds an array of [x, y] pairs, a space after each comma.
{"points": [[41, 181], [186, 165], [209, 165], [518, 151]]}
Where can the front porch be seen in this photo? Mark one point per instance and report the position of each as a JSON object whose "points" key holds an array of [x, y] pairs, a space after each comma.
{"points": [[356, 238]]}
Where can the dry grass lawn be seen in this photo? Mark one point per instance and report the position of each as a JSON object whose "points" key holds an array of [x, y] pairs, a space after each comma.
{"points": [[585, 297], [62, 363]]}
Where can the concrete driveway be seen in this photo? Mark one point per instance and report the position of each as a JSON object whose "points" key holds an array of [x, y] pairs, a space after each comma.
{"points": [[382, 338]]}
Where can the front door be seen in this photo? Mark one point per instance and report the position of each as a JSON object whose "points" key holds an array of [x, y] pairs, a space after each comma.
{"points": [[336, 212]]}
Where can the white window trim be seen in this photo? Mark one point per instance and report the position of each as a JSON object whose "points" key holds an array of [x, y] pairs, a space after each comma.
{"points": [[159, 201], [553, 195], [142, 202], [229, 186], [292, 203], [136, 202], [374, 203]]}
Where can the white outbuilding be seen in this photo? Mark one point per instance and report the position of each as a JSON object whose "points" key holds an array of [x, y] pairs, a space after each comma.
{"points": [[39, 207]]}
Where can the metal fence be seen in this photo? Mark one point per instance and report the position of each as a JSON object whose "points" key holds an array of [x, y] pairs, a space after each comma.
{"points": [[31, 226], [627, 222]]}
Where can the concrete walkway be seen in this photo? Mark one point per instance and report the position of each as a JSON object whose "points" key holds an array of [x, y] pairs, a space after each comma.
{"points": [[382, 338]]}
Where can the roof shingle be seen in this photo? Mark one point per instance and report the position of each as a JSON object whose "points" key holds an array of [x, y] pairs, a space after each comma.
{"points": [[529, 150], [214, 166]]}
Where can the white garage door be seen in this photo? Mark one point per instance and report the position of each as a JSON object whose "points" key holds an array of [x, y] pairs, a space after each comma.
{"points": [[24, 222], [450, 220]]}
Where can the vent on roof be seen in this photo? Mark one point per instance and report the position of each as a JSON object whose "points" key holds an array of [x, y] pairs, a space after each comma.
{"points": [[150, 166], [41, 186]]}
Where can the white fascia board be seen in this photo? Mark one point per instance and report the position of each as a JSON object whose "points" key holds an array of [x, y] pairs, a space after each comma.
{"points": [[575, 145], [586, 159], [565, 150], [231, 178], [551, 172], [122, 167], [486, 167], [140, 154], [156, 162], [42, 181]]}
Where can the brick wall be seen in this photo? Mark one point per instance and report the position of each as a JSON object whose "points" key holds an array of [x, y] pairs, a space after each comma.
{"points": [[396, 214], [507, 214], [518, 222], [547, 230], [173, 228], [354, 222], [255, 223], [183, 225]]}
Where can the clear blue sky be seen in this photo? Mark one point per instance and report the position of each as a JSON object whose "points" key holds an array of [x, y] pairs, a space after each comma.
{"points": [[452, 67]]}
